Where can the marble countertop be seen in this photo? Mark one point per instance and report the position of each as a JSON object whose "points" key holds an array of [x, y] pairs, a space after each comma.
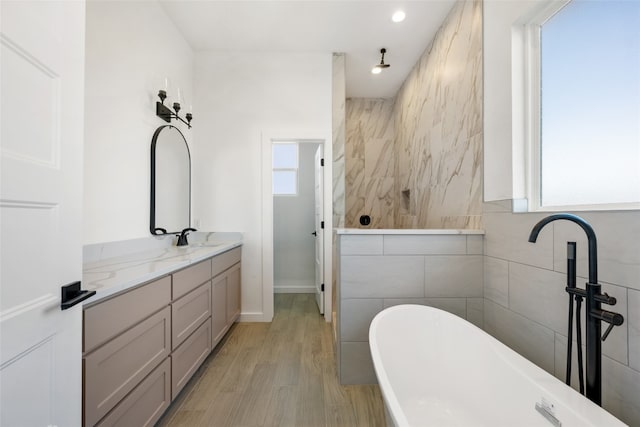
{"points": [[406, 231], [115, 274]]}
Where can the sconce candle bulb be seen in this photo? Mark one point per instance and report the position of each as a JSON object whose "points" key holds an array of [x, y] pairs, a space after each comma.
{"points": [[166, 114]]}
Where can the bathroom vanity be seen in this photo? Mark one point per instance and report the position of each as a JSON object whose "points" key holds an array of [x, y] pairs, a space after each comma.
{"points": [[156, 317]]}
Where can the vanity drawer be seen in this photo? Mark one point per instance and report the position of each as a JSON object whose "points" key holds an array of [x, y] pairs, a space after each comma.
{"points": [[146, 403], [190, 278], [225, 260], [187, 358], [107, 319], [114, 369], [189, 312]]}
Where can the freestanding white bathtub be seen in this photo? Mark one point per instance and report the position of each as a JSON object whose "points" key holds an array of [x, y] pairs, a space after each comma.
{"points": [[437, 369]]}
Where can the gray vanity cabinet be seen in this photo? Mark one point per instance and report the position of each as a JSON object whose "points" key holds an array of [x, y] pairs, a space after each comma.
{"points": [[142, 346], [225, 293], [120, 349]]}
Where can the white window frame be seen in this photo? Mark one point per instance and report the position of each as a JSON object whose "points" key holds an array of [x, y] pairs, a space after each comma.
{"points": [[296, 169], [532, 117]]}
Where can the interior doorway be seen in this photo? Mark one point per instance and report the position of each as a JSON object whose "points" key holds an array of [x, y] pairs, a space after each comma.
{"points": [[297, 251], [297, 207]]}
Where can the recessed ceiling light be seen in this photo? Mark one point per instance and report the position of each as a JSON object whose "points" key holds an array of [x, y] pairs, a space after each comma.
{"points": [[376, 70], [398, 16]]}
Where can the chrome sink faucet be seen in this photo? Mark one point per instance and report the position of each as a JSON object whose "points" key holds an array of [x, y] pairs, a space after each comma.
{"points": [[182, 237], [594, 313]]}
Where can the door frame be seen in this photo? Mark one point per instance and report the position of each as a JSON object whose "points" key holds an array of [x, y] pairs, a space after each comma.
{"points": [[302, 136]]}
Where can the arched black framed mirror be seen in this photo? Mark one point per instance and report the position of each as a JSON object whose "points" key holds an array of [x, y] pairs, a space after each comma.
{"points": [[170, 206]]}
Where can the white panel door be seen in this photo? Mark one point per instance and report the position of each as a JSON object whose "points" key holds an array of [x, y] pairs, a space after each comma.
{"points": [[41, 134], [319, 218]]}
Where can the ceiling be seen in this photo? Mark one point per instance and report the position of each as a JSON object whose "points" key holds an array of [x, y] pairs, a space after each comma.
{"points": [[359, 28]]}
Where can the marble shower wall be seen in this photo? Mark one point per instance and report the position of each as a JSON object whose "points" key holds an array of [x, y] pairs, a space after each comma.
{"points": [[338, 98], [370, 162], [438, 116], [430, 175]]}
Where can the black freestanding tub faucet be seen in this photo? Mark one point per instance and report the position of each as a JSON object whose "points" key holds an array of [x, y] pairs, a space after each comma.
{"points": [[594, 313]]}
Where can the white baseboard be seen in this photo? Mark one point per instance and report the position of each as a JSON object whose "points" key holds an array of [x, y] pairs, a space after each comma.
{"points": [[294, 289]]}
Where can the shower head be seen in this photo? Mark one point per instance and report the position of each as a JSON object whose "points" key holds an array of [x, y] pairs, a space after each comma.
{"points": [[378, 68]]}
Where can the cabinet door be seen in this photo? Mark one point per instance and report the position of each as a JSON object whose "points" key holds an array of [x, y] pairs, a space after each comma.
{"points": [[113, 370], [146, 403], [218, 307], [233, 294], [187, 358], [189, 312]]}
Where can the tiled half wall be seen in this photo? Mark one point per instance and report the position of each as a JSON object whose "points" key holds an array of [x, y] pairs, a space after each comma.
{"points": [[376, 271]]}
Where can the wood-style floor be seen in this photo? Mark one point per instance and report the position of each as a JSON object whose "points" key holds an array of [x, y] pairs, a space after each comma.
{"points": [[276, 374]]}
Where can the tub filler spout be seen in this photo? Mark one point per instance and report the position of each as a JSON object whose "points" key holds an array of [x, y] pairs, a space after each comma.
{"points": [[594, 313]]}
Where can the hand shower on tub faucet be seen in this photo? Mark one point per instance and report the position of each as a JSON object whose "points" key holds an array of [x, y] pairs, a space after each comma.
{"points": [[594, 313]]}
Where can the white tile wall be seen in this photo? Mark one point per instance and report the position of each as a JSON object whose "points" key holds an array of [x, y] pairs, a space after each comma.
{"points": [[506, 237], [633, 322], [475, 245], [453, 276], [360, 245], [356, 316], [382, 276], [526, 305], [617, 344], [356, 364], [475, 311], [496, 280], [457, 306], [539, 295], [618, 236], [530, 339], [425, 245], [621, 391], [561, 360]]}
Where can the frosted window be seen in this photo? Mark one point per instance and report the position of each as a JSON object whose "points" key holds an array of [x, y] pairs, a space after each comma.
{"points": [[285, 156], [285, 168], [590, 104], [285, 182]]}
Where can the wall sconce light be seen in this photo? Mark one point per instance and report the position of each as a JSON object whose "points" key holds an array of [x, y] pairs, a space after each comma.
{"points": [[166, 114]]}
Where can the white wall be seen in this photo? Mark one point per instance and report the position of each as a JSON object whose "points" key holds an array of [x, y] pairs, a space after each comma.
{"points": [[130, 47], [239, 99], [293, 223], [503, 161]]}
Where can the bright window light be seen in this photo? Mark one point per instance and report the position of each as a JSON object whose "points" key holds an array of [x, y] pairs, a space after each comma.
{"points": [[285, 168], [589, 105]]}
